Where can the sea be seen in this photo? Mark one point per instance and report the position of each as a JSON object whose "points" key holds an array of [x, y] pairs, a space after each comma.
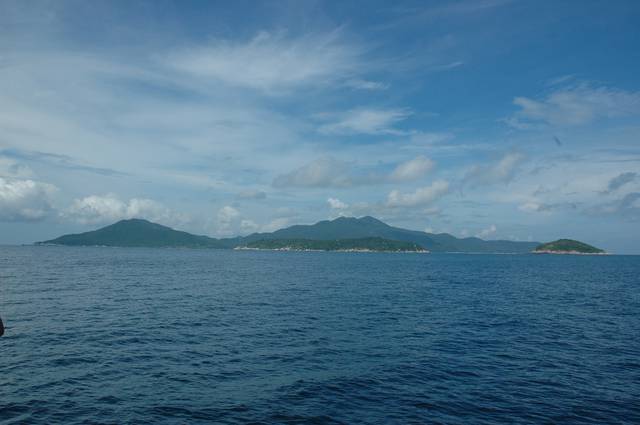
{"points": [[185, 336]]}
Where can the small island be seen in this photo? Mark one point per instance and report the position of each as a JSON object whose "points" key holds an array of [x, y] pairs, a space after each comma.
{"points": [[568, 246], [342, 245]]}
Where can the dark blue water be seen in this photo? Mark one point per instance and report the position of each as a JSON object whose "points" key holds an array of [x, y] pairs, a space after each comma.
{"points": [[104, 335]]}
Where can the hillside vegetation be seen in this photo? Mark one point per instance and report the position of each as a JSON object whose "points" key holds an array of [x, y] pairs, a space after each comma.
{"points": [[362, 244], [568, 246]]}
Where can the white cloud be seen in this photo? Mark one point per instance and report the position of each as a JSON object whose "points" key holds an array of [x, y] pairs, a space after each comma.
{"points": [[227, 213], [271, 61], [276, 224], [422, 138], [96, 209], [25, 200], [577, 105], [547, 208], [447, 66], [231, 222], [336, 204], [421, 196], [566, 185], [412, 169], [366, 85], [323, 172], [367, 121], [227, 220], [331, 172], [338, 208], [501, 171], [530, 206], [489, 231], [560, 80]]}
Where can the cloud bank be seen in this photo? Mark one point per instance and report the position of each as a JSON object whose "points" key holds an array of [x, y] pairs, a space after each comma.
{"points": [[25, 200]]}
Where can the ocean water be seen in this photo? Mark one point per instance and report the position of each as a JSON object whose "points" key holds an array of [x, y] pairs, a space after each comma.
{"points": [[109, 335]]}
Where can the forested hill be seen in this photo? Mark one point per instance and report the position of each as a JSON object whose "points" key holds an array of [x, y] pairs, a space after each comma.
{"points": [[143, 233]]}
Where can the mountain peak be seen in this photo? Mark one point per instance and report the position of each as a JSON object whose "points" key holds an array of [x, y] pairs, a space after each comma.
{"points": [[136, 232], [367, 219], [371, 220], [137, 223], [134, 220], [343, 219]]}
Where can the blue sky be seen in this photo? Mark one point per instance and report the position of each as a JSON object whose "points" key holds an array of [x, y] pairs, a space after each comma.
{"points": [[492, 118]]}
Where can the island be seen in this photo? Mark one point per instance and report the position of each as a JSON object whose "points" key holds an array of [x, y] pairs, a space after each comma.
{"points": [[136, 233], [373, 244], [568, 246], [140, 233]]}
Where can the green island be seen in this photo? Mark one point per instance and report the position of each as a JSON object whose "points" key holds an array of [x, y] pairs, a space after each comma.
{"points": [[136, 233], [567, 246], [373, 244], [365, 234], [143, 233]]}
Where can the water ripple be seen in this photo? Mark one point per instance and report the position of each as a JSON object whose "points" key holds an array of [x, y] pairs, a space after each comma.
{"points": [[187, 336]]}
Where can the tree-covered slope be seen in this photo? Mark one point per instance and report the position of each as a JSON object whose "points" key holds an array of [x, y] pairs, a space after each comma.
{"points": [[354, 228], [361, 244], [136, 233], [568, 246]]}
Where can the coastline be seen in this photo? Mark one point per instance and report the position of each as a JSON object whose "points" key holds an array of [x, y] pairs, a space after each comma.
{"points": [[569, 252], [291, 249]]}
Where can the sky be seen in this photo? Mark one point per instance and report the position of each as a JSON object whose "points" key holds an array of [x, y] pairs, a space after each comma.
{"points": [[499, 119]]}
